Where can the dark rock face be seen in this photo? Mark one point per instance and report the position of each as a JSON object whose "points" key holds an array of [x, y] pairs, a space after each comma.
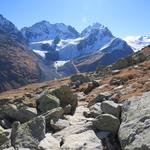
{"points": [[17, 64], [10, 29]]}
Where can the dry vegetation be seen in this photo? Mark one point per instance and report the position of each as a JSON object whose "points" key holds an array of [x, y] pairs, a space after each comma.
{"points": [[136, 80]]}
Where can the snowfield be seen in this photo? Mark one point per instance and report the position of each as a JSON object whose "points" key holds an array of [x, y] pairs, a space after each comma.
{"points": [[138, 42]]}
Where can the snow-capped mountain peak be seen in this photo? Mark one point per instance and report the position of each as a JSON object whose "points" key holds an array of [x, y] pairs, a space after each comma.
{"points": [[44, 30], [94, 38], [96, 28], [138, 42]]}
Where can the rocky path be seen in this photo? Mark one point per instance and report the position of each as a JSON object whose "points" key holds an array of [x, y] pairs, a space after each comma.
{"points": [[79, 135], [78, 117]]}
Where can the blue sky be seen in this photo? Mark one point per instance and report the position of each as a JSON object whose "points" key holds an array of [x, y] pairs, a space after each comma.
{"points": [[122, 17]]}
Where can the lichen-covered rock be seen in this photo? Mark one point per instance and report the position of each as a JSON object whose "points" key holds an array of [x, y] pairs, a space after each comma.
{"points": [[18, 112], [107, 122], [135, 127], [47, 102], [66, 97], [29, 134], [53, 114]]}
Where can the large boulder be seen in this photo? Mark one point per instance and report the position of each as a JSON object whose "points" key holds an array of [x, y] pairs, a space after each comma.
{"points": [[49, 143], [54, 114], [80, 77], [74, 129], [66, 97], [100, 98], [110, 107], [107, 122], [47, 102], [85, 140], [20, 112], [29, 134], [135, 127]]}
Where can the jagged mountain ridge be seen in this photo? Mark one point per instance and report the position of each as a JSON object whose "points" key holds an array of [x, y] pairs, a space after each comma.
{"points": [[95, 40], [45, 31]]}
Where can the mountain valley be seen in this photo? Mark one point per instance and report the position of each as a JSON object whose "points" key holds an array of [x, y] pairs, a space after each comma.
{"points": [[65, 90]]}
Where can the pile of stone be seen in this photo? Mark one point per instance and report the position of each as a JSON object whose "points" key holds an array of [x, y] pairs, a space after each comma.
{"points": [[24, 125]]}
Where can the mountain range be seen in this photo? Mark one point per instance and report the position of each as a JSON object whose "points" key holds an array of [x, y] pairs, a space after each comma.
{"points": [[94, 46], [48, 51]]}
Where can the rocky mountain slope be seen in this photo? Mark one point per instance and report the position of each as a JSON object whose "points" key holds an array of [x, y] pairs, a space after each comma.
{"points": [[95, 40], [19, 65], [103, 110], [138, 42]]}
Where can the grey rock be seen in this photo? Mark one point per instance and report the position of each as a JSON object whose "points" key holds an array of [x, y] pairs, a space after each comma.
{"points": [[95, 110], [117, 81], [74, 129], [67, 109], [110, 107], [135, 127], [91, 85], [109, 140], [29, 134], [60, 124], [103, 134], [53, 114], [100, 98], [147, 86], [47, 102], [85, 140], [107, 122], [66, 97], [49, 143], [80, 77], [81, 96], [4, 136], [115, 72], [18, 113]]}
